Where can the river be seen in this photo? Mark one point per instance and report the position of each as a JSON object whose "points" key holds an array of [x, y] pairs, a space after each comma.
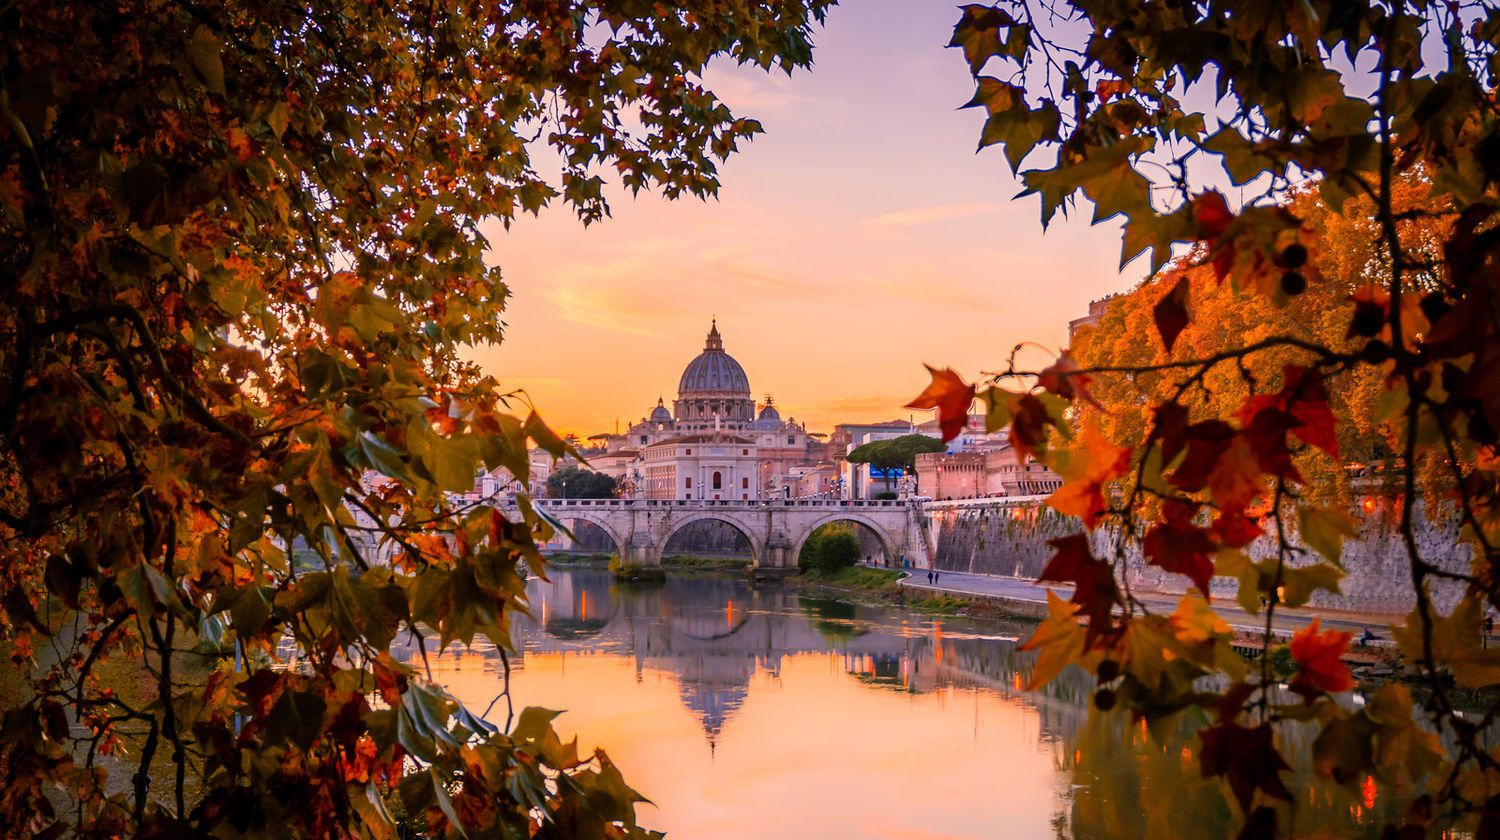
{"points": [[753, 711]]}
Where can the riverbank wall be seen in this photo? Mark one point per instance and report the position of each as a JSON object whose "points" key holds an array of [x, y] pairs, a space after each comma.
{"points": [[1009, 537]]}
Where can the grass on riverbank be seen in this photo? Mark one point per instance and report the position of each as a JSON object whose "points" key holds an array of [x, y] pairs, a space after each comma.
{"points": [[942, 604], [864, 579], [691, 563]]}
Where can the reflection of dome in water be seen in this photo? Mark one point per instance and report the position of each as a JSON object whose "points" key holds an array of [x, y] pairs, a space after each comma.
{"points": [[713, 706], [714, 370], [714, 688], [575, 628]]}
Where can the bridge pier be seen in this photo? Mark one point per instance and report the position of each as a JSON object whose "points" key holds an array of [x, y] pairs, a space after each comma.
{"points": [[640, 549], [778, 552]]}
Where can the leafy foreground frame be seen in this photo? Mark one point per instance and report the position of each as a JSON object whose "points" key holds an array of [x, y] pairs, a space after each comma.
{"points": [[242, 263], [1344, 102]]}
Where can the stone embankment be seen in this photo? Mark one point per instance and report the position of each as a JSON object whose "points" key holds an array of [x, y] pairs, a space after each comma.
{"points": [[1008, 538]]}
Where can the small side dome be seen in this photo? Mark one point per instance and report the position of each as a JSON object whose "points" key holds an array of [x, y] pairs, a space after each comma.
{"points": [[769, 413], [660, 414]]}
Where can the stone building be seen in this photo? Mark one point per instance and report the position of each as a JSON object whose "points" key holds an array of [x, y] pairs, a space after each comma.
{"points": [[970, 475], [714, 465]]}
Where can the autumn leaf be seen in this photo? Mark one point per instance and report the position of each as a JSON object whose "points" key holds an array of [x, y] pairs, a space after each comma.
{"points": [[1094, 588], [1028, 433], [1318, 658], [951, 396], [1171, 312], [1211, 214], [1085, 472], [1178, 546], [1246, 757], [1456, 643], [1206, 443], [1058, 641], [1064, 379], [1169, 428]]}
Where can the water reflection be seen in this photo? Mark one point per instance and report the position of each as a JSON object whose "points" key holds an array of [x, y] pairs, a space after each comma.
{"points": [[743, 711]]}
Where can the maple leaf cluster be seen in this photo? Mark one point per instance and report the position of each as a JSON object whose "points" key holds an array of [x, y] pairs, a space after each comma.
{"points": [[1282, 343]]}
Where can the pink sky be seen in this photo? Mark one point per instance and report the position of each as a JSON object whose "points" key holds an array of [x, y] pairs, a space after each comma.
{"points": [[858, 238]]}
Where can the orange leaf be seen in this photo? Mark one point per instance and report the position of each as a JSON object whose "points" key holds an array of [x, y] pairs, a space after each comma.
{"points": [[1236, 478], [1085, 472], [951, 396], [1318, 658]]}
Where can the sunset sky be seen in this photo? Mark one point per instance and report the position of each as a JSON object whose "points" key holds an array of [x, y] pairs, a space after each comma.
{"points": [[858, 238]]}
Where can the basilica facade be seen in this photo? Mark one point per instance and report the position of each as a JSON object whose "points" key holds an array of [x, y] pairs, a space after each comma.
{"points": [[713, 417]]}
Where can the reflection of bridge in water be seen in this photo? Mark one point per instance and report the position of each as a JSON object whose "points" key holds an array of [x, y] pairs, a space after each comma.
{"points": [[775, 529], [715, 634]]}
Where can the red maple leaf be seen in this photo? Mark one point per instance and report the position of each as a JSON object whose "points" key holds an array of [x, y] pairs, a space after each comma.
{"points": [[1180, 547], [1318, 656], [1171, 312], [1246, 757], [1085, 473], [1206, 441], [1211, 212], [951, 396], [1094, 589], [1028, 431], [1063, 379], [1171, 429]]}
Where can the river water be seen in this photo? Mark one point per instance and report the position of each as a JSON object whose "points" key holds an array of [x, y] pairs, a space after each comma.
{"points": [[757, 711]]}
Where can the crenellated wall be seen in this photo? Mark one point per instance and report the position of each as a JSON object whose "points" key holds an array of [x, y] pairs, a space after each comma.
{"points": [[1009, 538]]}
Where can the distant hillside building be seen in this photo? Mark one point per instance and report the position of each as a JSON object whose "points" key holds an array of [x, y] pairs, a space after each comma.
{"points": [[970, 475], [1097, 308]]}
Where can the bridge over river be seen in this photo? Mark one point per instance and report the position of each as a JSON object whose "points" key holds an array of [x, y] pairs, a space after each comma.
{"points": [[774, 528]]}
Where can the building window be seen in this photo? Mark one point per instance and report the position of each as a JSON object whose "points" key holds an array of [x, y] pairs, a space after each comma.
{"points": [[744, 452], [718, 480], [791, 439], [745, 483], [690, 450], [689, 484], [643, 438]]}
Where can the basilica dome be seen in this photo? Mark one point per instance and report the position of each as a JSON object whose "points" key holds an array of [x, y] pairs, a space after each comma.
{"points": [[714, 370]]}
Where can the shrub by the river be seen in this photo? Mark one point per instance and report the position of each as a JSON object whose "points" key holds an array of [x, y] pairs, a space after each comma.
{"points": [[829, 549]]}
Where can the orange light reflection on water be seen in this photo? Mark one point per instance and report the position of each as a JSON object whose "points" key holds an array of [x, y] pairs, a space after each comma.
{"points": [[808, 750]]}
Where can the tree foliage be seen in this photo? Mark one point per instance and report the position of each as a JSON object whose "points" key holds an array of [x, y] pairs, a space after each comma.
{"points": [[242, 261], [578, 483], [1347, 301], [899, 453], [829, 549]]}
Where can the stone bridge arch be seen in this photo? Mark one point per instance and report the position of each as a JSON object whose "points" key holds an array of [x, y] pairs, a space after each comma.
{"points": [[675, 524], [875, 527], [598, 518]]}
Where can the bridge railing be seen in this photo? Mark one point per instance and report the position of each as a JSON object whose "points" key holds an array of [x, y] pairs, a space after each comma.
{"points": [[739, 504]]}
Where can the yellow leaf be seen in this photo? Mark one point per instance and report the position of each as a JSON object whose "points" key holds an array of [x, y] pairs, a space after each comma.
{"points": [[1057, 642], [1456, 642]]}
